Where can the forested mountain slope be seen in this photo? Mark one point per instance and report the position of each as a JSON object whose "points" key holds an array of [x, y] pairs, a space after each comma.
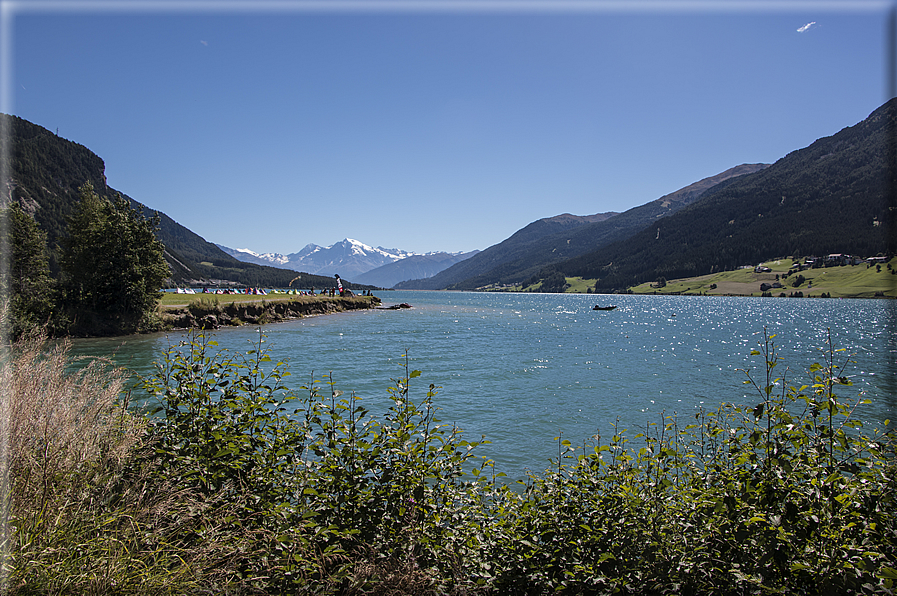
{"points": [[510, 249], [835, 196], [44, 173], [530, 264]]}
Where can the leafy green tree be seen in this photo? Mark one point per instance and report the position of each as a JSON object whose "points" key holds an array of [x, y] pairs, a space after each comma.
{"points": [[113, 266], [29, 285], [554, 282]]}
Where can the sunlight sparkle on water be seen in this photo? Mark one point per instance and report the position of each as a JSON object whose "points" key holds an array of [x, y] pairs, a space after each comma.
{"points": [[552, 363]]}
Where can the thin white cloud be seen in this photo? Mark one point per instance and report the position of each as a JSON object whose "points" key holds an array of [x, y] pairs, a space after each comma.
{"points": [[807, 26], [203, 42]]}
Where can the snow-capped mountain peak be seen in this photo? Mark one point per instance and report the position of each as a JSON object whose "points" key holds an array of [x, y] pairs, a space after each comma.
{"points": [[360, 248], [346, 258], [269, 258]]}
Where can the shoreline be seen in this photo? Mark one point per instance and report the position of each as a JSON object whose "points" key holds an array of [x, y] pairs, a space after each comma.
{"points": [[206, 315]]}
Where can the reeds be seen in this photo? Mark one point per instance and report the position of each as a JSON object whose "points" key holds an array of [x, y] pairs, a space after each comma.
{"points": [[68, 437], [65, 429], [87, 509]]}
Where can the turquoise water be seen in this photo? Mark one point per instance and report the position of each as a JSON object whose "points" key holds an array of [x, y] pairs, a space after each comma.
{"points": [[523, 368]]}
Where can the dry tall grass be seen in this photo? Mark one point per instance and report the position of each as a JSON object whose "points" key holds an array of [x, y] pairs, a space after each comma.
{"points": [[86, 510], [65, 429], [83, 511], [68, 436]]}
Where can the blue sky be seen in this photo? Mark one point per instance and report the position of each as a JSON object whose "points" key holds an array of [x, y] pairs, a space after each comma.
{"points": [[432, 125]]}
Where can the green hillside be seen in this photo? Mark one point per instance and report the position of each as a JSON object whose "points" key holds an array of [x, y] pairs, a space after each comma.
{"points": [[534, 260], [520, 245], [847, 281], [861, 280], [835, 196]]}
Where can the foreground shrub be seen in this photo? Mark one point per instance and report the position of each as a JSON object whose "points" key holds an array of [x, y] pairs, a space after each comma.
{"points": [[788, 496], [347, 496], [240, 485]]}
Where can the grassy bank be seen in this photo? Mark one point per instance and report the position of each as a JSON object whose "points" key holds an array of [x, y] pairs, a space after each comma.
{"points": [[239, 485], [210, 311], [849, 281], [172, 300]]}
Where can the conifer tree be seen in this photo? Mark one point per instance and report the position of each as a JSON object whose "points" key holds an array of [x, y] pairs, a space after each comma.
{"points": [[113, 266], [28, 286]]}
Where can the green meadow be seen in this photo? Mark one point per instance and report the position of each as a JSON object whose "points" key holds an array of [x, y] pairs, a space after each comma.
{"points": [[848, 281], [171, 300]]}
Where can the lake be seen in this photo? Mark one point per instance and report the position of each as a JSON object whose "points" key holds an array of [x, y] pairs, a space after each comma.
{"points": [[523, 368]]}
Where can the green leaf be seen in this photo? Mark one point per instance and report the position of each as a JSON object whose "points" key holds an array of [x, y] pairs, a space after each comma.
{"points": [[888, 572], [758, 411]]}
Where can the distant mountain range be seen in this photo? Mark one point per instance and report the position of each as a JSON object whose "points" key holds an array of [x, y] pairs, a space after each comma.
{"points": [[381, 267], [348, 258], [413, 267]]}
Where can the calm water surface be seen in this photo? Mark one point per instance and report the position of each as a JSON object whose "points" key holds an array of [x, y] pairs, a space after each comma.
{"points": [[523, 368]]}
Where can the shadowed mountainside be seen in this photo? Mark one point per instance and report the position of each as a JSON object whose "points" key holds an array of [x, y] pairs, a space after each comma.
{"points": [[835, 196], [552, 240], [508, 250]]}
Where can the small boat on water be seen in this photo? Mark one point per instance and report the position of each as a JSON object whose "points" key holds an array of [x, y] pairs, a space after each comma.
{"points": [[596, 307]]}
